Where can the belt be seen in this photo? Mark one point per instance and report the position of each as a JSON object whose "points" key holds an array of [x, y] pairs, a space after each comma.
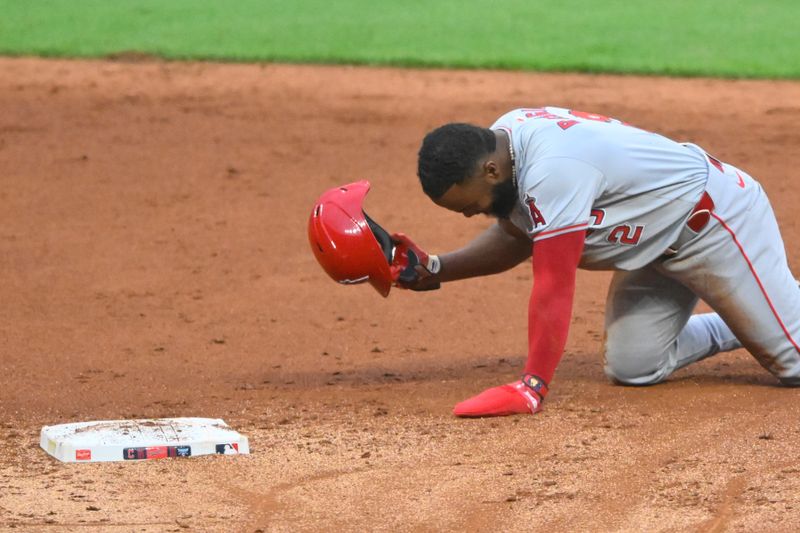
{"points": [[697, 220]]}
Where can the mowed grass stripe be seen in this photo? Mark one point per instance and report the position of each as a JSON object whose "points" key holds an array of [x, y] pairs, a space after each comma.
{"points": [[732, 38]]}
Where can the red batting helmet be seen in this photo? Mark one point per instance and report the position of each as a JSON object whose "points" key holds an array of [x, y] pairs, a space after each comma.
{"points": [[349, 245]]}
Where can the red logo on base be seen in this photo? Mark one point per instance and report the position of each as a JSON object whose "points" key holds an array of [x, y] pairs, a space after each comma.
{"points": [[156, 452], [83, 455]]}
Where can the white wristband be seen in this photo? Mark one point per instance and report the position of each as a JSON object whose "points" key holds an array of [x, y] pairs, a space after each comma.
{"points": [[434, 265]]}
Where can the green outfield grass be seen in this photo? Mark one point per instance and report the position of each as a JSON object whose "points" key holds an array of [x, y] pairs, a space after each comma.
{"points": [[735, 38]]}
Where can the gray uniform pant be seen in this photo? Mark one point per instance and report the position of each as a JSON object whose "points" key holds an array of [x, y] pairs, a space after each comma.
{"points": [[737, 265]]}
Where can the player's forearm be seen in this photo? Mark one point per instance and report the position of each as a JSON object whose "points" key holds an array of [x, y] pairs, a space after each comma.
{"points": [[549, 316], [555, 263], [492, 252]]}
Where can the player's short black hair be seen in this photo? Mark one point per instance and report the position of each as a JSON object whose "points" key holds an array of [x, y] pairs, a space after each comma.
{"points": [[449, 154]]}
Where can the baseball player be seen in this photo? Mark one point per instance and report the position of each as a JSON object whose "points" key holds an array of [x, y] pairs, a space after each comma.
{"points": [[581, 190]]}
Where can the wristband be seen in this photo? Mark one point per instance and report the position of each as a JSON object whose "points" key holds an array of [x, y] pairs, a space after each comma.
{"points": [[536, 384], [434, 266]]}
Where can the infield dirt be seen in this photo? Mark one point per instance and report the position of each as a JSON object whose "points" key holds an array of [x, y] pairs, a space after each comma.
{"points": [[154, 263]]}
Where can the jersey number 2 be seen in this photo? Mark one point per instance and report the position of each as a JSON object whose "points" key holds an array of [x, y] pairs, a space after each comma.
{"points": [[626, 234]]}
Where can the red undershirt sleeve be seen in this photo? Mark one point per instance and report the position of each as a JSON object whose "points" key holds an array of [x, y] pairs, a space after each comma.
{"points": [[555, 265]]}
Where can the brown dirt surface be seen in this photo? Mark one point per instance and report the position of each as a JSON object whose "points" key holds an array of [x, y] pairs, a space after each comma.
{"points": [[155, 264]]}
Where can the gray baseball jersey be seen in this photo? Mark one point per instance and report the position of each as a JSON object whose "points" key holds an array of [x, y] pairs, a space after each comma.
{"points": [[630, 188], [634, 191]]}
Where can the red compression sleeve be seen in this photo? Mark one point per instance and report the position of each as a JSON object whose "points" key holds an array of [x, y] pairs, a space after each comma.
{"points": [[555, 265]]}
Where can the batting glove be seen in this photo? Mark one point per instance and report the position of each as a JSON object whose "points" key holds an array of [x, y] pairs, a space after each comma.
{"points": [[417, 268]]}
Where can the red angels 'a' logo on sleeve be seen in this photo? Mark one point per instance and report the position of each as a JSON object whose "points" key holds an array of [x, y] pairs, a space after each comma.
{"points": [[536, 216]]}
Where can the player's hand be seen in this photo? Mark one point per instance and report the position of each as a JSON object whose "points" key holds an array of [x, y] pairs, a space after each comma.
{"points": [[419, 270], [523, 396]]}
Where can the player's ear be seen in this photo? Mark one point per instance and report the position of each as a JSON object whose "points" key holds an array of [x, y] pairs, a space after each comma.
{"points": [[491, 172]]}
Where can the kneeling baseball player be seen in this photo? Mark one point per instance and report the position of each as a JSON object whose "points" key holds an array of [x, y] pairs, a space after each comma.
{"points": [[580, 190]]}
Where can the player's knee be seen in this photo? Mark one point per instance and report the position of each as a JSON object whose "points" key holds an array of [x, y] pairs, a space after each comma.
{"points": [[635, 366]]}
